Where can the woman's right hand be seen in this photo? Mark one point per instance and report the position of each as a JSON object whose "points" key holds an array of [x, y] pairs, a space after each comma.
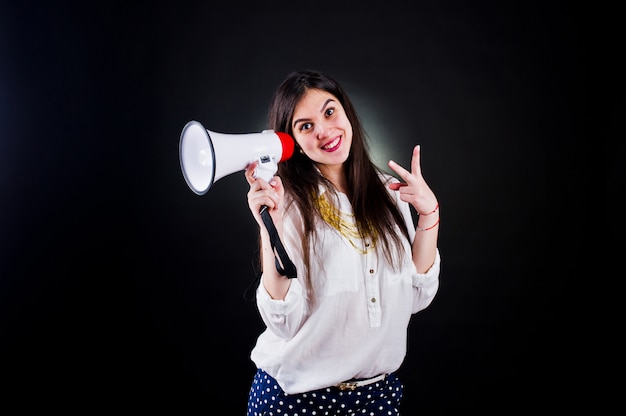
{"points": [[263, 193], [270, 194]]}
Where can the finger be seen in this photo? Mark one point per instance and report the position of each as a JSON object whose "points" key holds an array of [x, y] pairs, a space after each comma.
{"points": [[250, 172], [415, 161], [403, 173], [259, 198], [276, 183], [396, 185]]}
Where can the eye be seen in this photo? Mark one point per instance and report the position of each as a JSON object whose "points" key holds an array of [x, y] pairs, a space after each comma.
{"points": [[329, 111], [305, 126]]}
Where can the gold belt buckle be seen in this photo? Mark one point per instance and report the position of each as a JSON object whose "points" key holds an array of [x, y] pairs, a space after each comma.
{"points": [[347, 386]]}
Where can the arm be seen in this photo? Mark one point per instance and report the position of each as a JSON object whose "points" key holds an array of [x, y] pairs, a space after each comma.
{"points": [[270, 194], [416, 192]]}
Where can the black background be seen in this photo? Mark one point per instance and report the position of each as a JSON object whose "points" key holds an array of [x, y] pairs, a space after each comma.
{"points": [[122, 289]]}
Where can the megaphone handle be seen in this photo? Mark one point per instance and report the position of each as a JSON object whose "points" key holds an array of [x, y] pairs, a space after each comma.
{"points": [[288, 268]]}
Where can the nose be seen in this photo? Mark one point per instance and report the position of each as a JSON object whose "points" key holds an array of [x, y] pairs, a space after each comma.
{"points": [[321, 131]]}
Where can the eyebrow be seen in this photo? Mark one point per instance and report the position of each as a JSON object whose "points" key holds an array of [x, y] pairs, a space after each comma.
{"points": [[321, 111]]}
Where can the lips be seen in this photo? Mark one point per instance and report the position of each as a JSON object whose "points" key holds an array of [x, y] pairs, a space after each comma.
{"points": [[333, 145]]}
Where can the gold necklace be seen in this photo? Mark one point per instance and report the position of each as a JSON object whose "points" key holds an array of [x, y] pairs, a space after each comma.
{"points": [[344, 223]]}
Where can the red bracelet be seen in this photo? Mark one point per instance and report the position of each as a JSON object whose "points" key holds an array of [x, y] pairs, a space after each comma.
{"points": [[429, 228], [431, 212]]}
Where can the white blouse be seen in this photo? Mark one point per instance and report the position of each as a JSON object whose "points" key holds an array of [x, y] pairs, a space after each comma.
{"points": [[358, 326]]}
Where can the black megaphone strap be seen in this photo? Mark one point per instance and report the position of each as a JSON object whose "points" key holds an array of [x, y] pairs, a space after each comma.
{"points": [[285, 266]]}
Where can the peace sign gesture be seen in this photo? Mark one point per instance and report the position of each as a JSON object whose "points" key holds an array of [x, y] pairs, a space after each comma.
{"points": [[414, 190]]}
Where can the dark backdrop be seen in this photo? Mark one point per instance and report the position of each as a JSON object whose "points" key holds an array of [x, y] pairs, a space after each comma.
{"points": [[120, 288]]}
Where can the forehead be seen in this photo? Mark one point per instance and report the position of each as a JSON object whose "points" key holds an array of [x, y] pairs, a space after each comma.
{"points": [[314, 100]]}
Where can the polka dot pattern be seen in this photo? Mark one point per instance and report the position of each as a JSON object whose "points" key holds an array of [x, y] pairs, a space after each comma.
{"points": [[382, 398]]}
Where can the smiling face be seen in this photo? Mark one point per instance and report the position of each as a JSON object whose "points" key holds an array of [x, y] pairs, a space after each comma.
{"points": [[322, 129]]}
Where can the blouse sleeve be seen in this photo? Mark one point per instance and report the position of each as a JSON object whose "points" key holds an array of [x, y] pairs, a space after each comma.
{"points": [[425, 285], [284, 317]]}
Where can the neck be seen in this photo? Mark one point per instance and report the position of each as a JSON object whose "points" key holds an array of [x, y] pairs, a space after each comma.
{"points": [[336, 175]]}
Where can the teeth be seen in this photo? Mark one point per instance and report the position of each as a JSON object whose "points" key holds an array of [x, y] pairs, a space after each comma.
{"points": [[332, 144]]}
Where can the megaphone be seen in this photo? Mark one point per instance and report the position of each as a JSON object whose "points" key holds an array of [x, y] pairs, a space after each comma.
{"points": [[206, 156]]}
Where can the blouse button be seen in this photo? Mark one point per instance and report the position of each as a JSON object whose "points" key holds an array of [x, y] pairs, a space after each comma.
{"points": [[373, 300], [371, 271]]}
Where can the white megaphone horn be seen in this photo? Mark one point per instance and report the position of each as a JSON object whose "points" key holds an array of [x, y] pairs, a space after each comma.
{"points": [[206, 156]]}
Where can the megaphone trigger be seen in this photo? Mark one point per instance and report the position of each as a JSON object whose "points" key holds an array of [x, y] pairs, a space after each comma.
{"points": [[266, 167]]}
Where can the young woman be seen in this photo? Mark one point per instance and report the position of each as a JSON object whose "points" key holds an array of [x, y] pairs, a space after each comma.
{"points": [[337, 333]]}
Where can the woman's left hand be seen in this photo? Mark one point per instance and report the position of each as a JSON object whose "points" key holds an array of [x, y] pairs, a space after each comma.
{"points": [[414, 190]]}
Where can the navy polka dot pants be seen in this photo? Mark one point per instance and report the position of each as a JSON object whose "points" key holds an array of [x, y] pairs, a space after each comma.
{"points": [[382, 398]]}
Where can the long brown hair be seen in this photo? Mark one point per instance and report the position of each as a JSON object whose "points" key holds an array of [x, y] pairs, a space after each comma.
{"points": [[375, 212]]}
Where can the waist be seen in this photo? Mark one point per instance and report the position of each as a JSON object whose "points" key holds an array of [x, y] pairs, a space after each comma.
{"points": [[355, 383]]}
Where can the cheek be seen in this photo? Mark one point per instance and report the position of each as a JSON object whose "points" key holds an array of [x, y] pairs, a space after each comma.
{"points": [[303, 142], [347, 126], [348, 131]]}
